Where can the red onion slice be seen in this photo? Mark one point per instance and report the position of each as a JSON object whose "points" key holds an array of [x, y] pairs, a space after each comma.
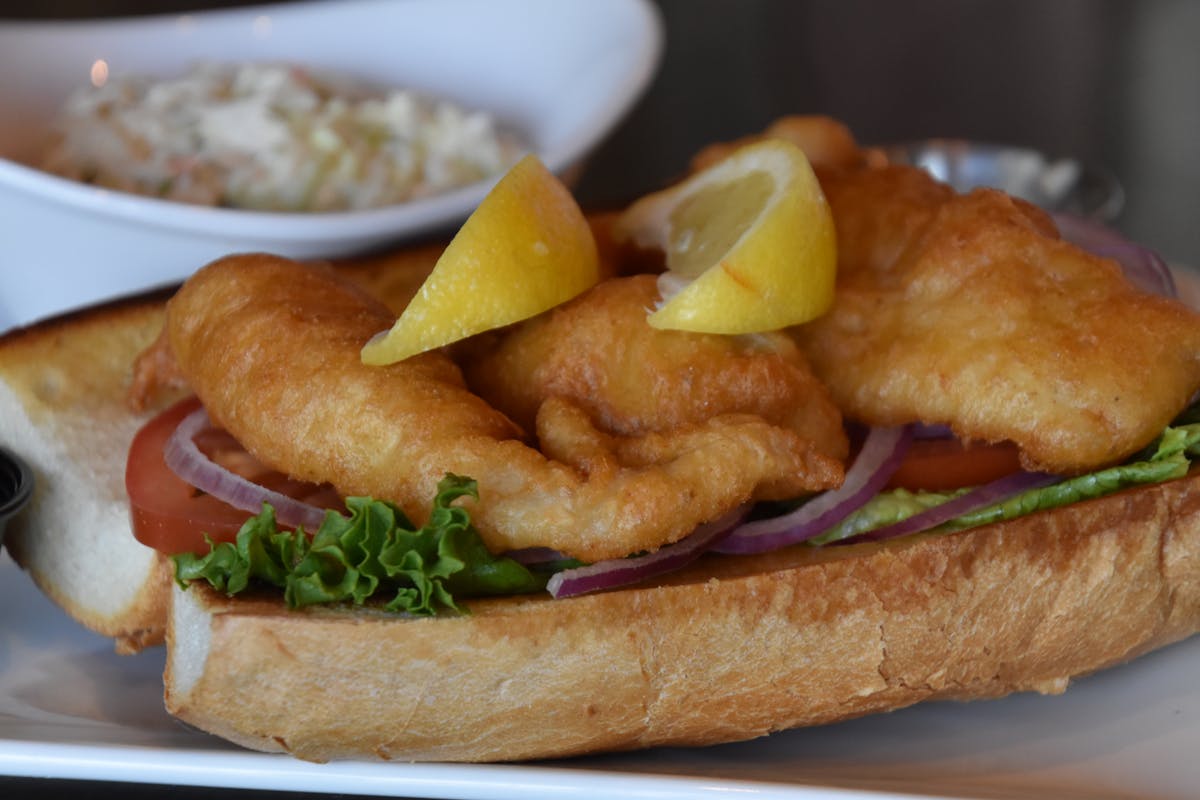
{"points": [[187, 461], [1144, 267], [980, 497], [881, 454], [624, 571]]}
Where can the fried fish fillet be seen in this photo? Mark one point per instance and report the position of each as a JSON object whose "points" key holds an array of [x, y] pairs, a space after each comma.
{"points": [[599, 352], [272, 349], [969, 310]]}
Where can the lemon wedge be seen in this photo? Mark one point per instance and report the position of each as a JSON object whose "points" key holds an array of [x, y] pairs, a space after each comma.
{"points": [[525, 249], [750, 243]]}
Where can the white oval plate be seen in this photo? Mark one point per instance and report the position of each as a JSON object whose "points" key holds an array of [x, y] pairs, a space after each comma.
{"points": [[561, 73], [71, 708]]}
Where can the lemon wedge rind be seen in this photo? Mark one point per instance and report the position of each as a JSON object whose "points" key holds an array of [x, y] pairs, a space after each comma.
{"points": [[750, 243], [525, 249]]}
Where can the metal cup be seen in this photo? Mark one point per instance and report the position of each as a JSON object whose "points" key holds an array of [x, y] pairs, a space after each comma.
{"points": [[1054, 184]]}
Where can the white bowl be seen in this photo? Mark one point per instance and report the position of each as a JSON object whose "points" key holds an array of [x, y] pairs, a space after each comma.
{"points": [[560, 73]]}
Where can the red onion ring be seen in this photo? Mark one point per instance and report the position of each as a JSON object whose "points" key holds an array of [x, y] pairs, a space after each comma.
{"points": [[979, 497], [624, 571], [187, 461], [877, 461], [1144, 267]]}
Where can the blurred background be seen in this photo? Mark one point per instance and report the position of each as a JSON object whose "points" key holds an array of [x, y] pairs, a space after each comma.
{"points": [[1111, 82], [1114, 83]]}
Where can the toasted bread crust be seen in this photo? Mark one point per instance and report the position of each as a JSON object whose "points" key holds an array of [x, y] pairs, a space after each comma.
{"points": [[733, 648], [62, 389]]}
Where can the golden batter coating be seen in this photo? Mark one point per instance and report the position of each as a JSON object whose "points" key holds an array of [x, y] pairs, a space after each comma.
{"points": [[969, 310], [599, 352], [272, 349]]}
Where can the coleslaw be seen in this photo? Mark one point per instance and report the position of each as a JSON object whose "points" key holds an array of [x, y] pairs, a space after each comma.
{"points": [[272, 137]]}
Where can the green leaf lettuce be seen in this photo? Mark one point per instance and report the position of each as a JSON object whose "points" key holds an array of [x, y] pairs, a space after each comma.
{"points": [[1165, 459], [375, 552]]}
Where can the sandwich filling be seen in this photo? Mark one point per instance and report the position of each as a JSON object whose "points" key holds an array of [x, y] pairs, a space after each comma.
{"points": [[981, 362]]}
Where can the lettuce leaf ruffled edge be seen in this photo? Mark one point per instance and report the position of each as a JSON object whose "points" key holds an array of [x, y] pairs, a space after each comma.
{"points": [[374, 554]]}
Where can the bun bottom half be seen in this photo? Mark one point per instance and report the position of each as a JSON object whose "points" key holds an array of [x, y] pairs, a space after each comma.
{"points": [[731, 649], [62, 409]]}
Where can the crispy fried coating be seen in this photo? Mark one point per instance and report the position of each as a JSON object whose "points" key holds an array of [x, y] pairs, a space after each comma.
{"points": [[969, 310], [272, 349], [599, 352], [826, 142]]}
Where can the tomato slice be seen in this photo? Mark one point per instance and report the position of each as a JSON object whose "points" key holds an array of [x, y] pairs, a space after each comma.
{"points": [[168, 513], [937, 465], [171, 515]]}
